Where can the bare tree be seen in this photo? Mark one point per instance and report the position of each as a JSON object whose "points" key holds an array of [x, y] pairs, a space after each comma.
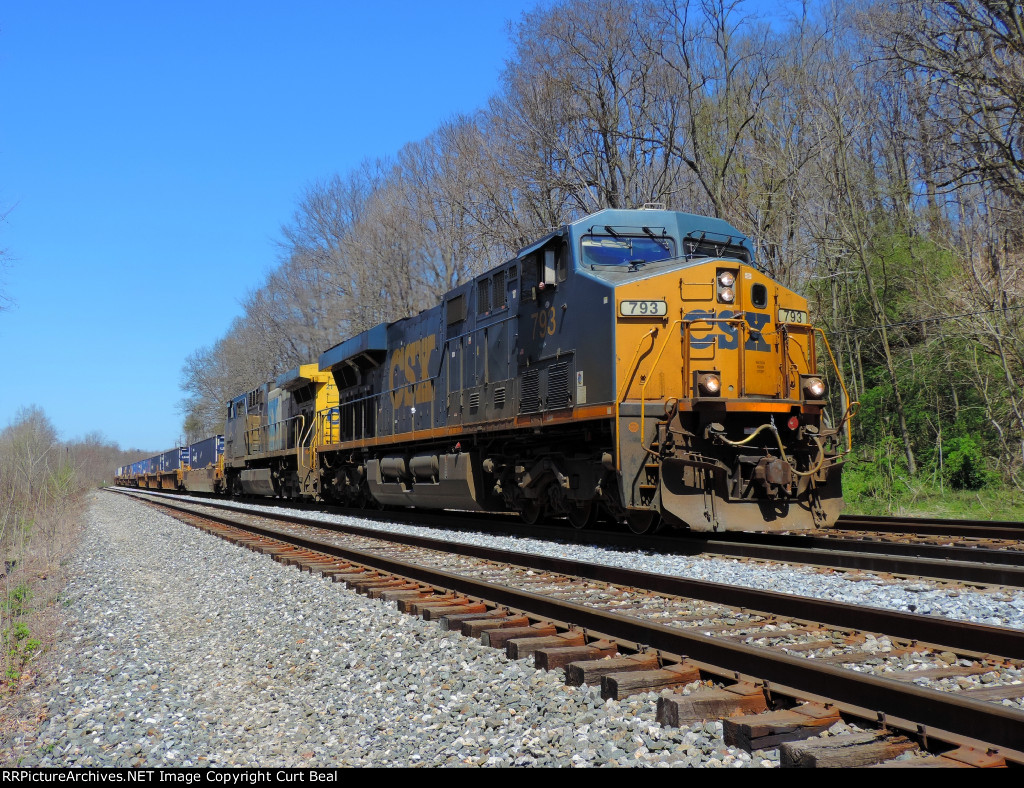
{"points": [[972, 52]]}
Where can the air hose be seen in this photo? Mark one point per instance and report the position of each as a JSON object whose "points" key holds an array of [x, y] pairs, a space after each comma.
{"points": [[778, 439]]}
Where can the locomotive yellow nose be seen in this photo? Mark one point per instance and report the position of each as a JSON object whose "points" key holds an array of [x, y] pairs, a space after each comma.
{"points": [[717, 318]]}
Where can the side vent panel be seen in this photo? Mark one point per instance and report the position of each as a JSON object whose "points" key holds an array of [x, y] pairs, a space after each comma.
{"points": [[558, 386], [529, 401]]}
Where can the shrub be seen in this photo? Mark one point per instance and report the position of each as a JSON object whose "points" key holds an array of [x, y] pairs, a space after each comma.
{"points": [[963, 465], [18, 649], [17, 600]]}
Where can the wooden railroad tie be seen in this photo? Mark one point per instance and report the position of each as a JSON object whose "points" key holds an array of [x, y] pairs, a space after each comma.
{"points": [[452, 622], [378, 593], [416, 607], [615, 686], [592, 671], [437, 612], [517, 648], [560, 656], [769, 730], [474, 629], [411, 605], [498, 638], [711, 704], [399, 593], [844, 751]]}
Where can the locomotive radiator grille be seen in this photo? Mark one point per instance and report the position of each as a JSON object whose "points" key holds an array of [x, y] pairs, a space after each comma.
{"points": [[558, 385], [529, 400]]}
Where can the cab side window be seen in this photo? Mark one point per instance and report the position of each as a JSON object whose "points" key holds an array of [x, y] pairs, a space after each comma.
{"points": [[531, 271]]}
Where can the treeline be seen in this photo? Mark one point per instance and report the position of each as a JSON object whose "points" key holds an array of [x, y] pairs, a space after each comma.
{"points": [[872, 150], [42, 482]]}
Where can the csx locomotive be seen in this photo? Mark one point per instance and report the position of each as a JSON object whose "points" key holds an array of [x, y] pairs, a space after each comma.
{"points": [[635, 364]]}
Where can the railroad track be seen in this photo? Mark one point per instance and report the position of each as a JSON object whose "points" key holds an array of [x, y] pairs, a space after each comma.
{"points": [[992, 531], [956, 563], [815, 659]]}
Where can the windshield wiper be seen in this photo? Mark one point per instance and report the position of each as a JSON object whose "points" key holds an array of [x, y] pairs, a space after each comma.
{"points": [[659, 241]]}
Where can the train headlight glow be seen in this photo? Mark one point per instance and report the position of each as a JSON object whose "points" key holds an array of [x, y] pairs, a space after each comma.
{"points": [[814, 387], [727, 294], [709, 384], [727, 278]]}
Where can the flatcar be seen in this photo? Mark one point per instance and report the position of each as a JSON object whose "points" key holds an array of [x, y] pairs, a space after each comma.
{"points": [[635, 364], [198, 467]]}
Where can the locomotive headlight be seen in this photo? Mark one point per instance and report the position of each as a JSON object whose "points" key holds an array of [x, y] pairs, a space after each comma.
{"points": [[814, 388], [709, 384], [725, 282]]}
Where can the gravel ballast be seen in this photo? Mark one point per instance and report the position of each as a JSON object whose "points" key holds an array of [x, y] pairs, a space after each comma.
{"points": [[183, 650], [995, 607]]}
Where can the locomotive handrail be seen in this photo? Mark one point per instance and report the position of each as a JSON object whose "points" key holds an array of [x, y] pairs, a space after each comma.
{"points": [[335, 430], [740, 321], [622, 394], [809, 354], [647, 380], [262, 433], [306, 441], [851, 407]]}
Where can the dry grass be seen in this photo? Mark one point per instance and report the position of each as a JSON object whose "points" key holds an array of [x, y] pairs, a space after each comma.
{"points": [[31, 618], [30, 590], [43, 483]]}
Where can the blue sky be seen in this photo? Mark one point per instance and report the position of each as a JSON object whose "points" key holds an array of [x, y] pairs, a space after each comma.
{"points": [[150, 151]]}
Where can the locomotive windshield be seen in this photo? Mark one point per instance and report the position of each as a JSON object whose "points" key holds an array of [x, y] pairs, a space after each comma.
{"points": [[625, 250], [712, 245]]}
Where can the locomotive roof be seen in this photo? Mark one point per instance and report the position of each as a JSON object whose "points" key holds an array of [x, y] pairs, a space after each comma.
{"points": [[675, 223]]}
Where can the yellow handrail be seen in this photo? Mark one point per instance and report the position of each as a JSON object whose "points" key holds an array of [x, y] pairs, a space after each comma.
{"points": [[850, 406], [306, 442], [739, 320], [622, 394], [647, 380]]}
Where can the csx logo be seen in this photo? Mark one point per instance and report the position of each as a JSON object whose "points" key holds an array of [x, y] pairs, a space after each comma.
{"points": [[411, 362], [704, 335]]}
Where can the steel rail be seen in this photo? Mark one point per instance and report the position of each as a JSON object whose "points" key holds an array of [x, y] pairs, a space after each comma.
{"points": [[966, 565], [933, 526], [941, 712], [954, 634]]}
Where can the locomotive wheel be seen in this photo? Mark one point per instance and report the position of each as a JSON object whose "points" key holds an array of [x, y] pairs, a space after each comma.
{"points": [[532, 512], [646, 522], [583, 515]]}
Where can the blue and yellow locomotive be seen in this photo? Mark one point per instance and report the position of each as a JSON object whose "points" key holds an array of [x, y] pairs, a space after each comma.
{"points": [[635, 363]]}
